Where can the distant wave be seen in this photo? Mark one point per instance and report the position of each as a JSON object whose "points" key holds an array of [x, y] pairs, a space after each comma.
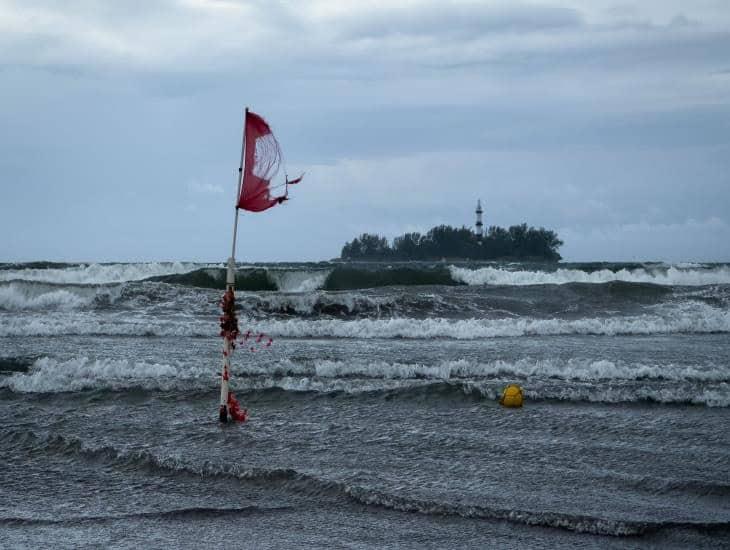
{"points": [[382, 275], [671, 275], [298, 281], [307, 280], [321, 487], [26, 295], [302, 279], [588, 380], [96, 273], [212, 277]]}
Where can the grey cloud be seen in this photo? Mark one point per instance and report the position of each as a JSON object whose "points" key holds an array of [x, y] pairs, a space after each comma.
{"points": [[599, 129], [436, 19]]}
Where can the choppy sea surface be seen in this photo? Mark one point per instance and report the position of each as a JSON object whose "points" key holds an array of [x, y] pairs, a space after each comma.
{"points": [[374, 419]]}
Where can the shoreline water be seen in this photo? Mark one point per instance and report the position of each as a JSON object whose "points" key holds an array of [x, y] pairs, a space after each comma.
{"points": [[374, 415]]}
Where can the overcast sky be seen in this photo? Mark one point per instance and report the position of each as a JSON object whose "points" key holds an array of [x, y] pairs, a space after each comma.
{"points": [[608, 121]]}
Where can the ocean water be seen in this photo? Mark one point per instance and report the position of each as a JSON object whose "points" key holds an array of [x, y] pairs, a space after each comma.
{"points": [[374, 419]]}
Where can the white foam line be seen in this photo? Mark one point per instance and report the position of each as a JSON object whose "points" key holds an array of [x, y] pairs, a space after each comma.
{"points": [[600, 381], [13, 298], [82, 373], [661, 276], [298, 281], [694, 318], [100, 273], [573, 369], [22, 296], [689, 317]]}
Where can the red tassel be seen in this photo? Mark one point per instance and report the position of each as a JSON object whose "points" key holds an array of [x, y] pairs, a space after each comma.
{"points": [[235, 409]]}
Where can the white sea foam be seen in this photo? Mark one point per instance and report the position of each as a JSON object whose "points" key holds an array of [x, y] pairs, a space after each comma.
{"points": [[91, 324], [99, 273], [599, 381], [571, 369], [690, 317], [14, 298], [50, 375], [660, 275], [717, 396], [20, 296], [298, 281]]}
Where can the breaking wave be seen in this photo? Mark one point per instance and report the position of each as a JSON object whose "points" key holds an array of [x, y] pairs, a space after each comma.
{"points": [[600, 381], [682, 318], [251, 279], [359, 276], [688, 317], [298, 281], [22, 296], [570, 370], [308, 280], [671, 275], [95, 274], [312, 485], [329, 304], [48, 375], [353, 277], [87, 324]]}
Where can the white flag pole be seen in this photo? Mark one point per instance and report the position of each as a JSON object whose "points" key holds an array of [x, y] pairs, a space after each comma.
{"points": [[231, 286]]}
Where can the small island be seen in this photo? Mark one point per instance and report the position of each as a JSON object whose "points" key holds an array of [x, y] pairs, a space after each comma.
{"points": [[518, 242]]}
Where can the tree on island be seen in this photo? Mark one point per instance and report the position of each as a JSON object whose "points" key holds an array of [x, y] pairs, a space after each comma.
{"points": [[443, 241]]}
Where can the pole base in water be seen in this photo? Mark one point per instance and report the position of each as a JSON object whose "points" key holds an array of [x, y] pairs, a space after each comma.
{"points": [[223, 414]]}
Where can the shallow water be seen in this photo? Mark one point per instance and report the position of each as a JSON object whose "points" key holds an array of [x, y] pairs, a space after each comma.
{"points": [[374, 419]]}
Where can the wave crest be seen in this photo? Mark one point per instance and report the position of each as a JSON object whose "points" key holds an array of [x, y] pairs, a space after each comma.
{"points": [[24, 296], [600, 381], [668, 276], [96, 274], [685, 317], [48, 375]]}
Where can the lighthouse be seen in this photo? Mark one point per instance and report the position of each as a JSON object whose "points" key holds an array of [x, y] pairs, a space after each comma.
{"points": [[479, 224]]}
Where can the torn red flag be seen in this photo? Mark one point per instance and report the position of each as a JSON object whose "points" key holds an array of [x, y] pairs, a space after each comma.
{"points": [[262, 158]]}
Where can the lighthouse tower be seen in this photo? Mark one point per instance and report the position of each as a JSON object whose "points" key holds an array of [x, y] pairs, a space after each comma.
{"points": [[479, 224]]}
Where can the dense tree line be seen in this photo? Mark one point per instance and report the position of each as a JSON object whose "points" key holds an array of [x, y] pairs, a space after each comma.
{"points": [[443, 241]]}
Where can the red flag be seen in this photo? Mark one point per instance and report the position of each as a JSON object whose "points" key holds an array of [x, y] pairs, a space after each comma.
{"points": [[262, 157]]}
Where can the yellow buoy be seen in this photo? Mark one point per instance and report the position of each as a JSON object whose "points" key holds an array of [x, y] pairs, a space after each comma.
{"points": [[512, 396]]}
